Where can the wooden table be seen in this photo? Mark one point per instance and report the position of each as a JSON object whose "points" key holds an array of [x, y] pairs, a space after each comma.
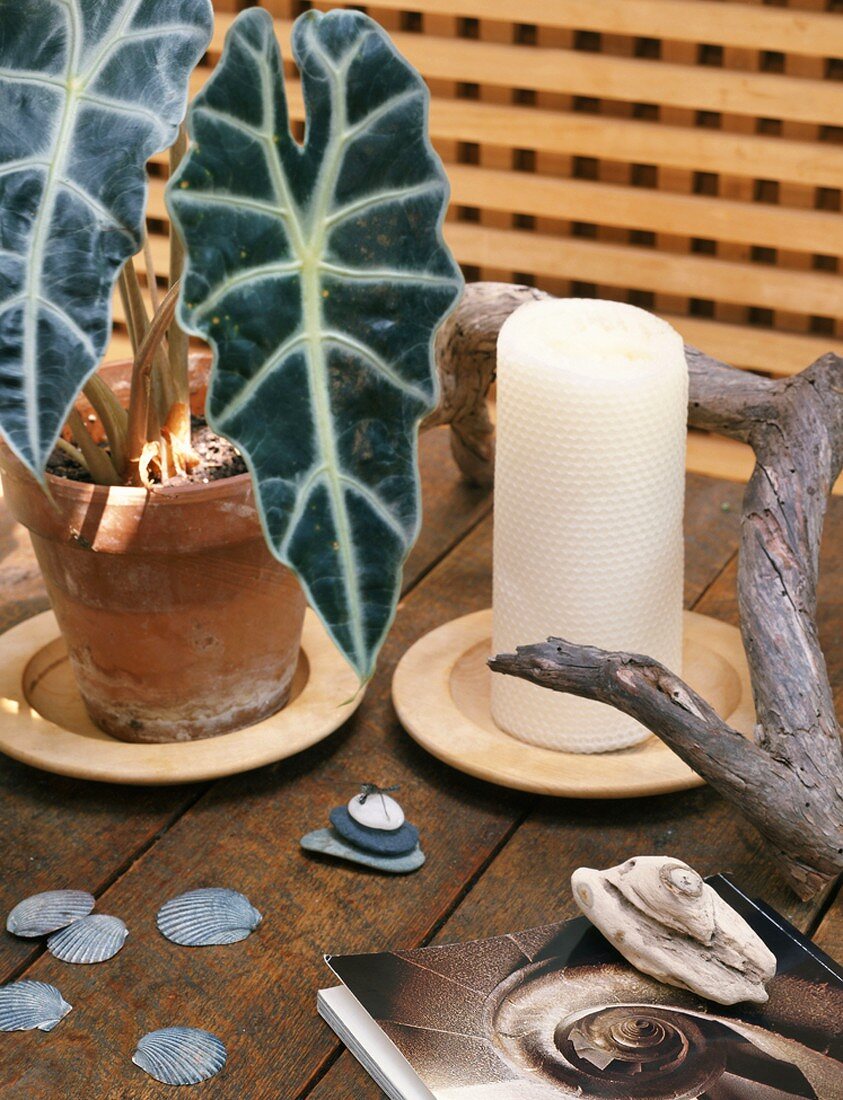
{"points": [[497, 860]]}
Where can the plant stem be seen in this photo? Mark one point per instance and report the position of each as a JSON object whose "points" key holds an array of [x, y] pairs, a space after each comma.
{"points": [[136, 309], [177, 339], [72, 452], [140, 319], [114, 419], [98, 464], [139, 399], [163, 389], [123, 285], [151, 281]]}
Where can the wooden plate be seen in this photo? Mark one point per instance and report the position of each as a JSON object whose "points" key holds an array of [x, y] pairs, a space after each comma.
{"points": [[43, 721], [441, 691]]}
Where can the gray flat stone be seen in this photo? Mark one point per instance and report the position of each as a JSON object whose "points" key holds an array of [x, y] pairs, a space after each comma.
{"points": [[399, 842], [330, 843]]}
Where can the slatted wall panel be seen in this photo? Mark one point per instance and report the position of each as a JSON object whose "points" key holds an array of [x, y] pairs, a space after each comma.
{"points": [[682, 155]]}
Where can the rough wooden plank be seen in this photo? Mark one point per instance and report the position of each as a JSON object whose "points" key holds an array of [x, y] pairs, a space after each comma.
{"points": [[590, 74], [683, 20], [658, 211], [643, 268], [600, 136], [725, 458], [704, 21], [763, 349], [60, 832], [501, 190], [712, 508], [646, 269], [260, 995]]}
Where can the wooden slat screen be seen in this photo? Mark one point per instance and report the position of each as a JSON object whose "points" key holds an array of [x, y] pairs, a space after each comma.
{"points": [[682, 155]]}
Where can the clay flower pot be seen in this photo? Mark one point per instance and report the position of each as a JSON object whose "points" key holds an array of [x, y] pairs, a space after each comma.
{"points": [[179, 622]]}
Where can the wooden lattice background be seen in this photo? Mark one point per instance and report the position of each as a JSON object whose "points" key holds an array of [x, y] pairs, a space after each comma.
{"points": [[682, 155]]}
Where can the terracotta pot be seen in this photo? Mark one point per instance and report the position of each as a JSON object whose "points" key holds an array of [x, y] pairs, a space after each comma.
{"points": [[179, 622]]}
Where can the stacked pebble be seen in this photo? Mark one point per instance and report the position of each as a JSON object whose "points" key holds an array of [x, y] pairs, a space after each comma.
{"points": [[371, 830]]}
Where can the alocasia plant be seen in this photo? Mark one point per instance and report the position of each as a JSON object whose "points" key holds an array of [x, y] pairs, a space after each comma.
{"points": [[90, 90], [318, 274]]}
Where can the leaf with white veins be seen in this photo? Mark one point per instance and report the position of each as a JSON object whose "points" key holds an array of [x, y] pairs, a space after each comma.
{"points": [[319, 275], [90, 90]]}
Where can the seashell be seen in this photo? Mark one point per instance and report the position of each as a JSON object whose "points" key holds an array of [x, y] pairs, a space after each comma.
{"points": [[665, 920], [44, 913], [180, 1055], [92, 939], [377, 811], [27, 1005], [201, 918]]}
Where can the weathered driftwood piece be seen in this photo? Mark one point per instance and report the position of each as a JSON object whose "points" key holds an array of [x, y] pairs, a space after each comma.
{"points": [[670, 924], [789, 781], [465, 354]]}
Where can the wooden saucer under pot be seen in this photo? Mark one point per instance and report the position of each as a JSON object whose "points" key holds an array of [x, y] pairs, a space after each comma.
{"points": [[43, 721]]}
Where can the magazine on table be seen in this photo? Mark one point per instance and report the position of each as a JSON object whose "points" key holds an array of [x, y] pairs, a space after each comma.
{"points": [[555, 1012]]}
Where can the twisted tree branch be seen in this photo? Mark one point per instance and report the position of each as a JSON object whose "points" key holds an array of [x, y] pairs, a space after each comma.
{"points": [[789, 782], [465, 354]]}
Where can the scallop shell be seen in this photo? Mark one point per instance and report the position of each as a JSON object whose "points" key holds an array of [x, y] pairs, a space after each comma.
{"points": [[27, 1005], [44, 913], [204, 917], [180, 1055], [92, 939]]}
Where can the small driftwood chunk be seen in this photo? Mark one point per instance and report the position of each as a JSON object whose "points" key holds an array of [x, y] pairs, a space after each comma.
{"points": [[670, 924], [789, 781]]}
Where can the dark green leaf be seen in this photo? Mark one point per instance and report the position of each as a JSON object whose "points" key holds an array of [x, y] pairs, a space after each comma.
{"points": [[319, 275], [90, 89]]}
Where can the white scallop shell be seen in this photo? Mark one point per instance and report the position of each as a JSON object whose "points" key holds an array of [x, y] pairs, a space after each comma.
{"points": [[379, 811], [201, 918], [27, 1005], [180, 1055], [44, 913], [92, 939]]}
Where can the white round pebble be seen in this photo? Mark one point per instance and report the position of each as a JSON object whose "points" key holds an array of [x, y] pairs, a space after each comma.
{"points": [[379, 811]]}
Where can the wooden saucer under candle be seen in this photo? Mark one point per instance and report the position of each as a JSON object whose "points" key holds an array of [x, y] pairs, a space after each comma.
{"points": [[441, 690], [43, 721]]}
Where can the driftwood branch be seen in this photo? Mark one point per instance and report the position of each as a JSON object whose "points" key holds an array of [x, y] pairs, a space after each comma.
{"points": [[465, 354], [789, 781]]}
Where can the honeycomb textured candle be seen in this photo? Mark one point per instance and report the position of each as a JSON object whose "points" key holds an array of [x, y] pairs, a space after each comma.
{"points": [[589, 493]]}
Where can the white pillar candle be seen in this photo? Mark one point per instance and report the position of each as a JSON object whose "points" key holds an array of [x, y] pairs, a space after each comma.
{"points": [[589, 493]]}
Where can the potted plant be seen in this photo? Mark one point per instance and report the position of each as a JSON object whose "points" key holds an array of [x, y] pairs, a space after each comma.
{"points": [[318, 275]]}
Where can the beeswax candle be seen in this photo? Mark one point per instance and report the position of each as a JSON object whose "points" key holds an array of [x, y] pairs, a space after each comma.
{"points": [[589, 493]]}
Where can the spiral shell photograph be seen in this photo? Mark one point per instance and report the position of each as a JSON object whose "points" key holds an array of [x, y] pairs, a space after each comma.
{"points": [[27, 1005], [41, 914], [202, 918], [93, 939], [180, 1055], [556, 1012]]}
